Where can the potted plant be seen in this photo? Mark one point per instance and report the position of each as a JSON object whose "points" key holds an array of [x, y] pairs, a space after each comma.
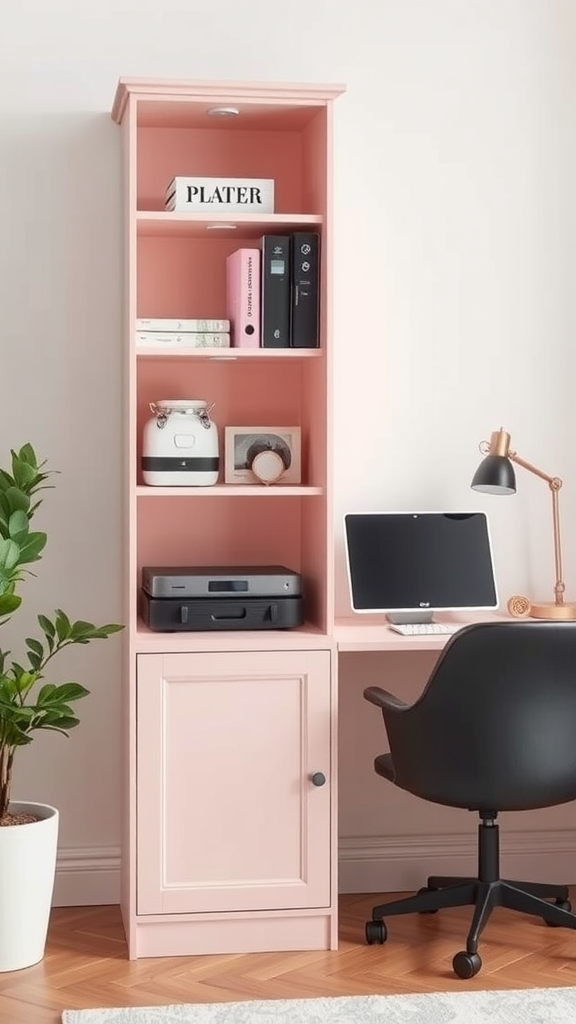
{"points": [[29, 702]]}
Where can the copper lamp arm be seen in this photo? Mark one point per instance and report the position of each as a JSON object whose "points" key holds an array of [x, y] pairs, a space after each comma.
{"points": [[554, 484], [554, 481]]}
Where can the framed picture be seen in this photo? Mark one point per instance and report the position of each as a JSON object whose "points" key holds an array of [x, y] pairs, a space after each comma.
{"points": [[262, 455]]}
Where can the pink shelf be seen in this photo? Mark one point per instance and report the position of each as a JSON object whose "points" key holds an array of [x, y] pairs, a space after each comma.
{"points": [[306, 637], [181, 352], [230, 491], [245, 225]]}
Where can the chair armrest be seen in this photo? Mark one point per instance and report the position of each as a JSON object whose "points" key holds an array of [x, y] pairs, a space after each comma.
{"points": [[383, 699]]}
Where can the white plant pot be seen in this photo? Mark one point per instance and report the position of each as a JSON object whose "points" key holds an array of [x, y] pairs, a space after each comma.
{"points": [[27, 870]]}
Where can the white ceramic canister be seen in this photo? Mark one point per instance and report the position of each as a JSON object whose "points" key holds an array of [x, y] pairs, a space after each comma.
{"points": [[180, 445]]}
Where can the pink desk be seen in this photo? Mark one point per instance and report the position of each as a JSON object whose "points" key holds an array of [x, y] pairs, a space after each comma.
{"points": [[373, 633]]}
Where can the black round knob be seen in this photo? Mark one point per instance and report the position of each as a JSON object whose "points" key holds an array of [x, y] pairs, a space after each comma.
{"points": [[318, 779]]}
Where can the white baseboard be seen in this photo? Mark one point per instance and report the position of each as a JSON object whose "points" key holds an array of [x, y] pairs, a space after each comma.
{"points": [[402, 863], [90, 876], [87, 876]]}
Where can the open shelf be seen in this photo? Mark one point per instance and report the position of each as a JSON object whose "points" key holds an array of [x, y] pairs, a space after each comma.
{"points": [[166, 223], [230, 491], [303, 637], [185, 352]]}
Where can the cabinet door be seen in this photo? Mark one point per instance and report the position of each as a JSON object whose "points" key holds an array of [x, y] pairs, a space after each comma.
{"points": [[228, 817]]}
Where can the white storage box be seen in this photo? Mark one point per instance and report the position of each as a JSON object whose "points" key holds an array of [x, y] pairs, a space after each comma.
{"points": [[220, 195]]}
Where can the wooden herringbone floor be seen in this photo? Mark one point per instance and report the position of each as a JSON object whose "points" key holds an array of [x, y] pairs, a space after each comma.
{"points": [[86, 965]]}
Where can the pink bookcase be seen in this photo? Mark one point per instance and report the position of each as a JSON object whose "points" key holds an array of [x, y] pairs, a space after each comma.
{"points": [[229, 845]]}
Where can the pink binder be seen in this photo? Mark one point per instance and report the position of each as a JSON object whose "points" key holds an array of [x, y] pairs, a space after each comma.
{"points": [[243, 297]]}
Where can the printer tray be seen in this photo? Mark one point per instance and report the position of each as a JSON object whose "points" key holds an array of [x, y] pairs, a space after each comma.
{"points": [[171, 614]]}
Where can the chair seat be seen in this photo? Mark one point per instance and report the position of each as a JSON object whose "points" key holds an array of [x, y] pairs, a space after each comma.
{"points": [[383, 766]]}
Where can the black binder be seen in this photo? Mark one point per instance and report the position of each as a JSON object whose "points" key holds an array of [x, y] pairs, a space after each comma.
{"points": [[305, 293], [275, 297]]}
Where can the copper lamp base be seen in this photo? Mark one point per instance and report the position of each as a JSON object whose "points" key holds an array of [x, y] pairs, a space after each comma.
{"points": [[522, 608]]}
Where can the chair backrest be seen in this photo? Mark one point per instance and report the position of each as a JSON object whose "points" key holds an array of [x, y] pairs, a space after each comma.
{"points": [[495, 728]]}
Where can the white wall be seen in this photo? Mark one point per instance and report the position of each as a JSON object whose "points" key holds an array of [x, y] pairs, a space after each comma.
{"points": [[454, 309]]}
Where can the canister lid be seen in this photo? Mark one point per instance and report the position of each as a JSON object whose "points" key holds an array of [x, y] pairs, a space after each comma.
{"points": [[180, 404]]}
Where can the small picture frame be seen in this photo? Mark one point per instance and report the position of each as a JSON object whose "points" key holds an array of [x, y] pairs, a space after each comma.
{"points": [[262, 455]]}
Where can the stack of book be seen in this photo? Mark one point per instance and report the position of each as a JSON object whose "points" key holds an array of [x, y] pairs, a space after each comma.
{"points": [[273, 293], [158, 333]]}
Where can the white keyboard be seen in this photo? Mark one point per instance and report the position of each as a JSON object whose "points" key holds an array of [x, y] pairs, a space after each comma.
{"points": [[426, 628]]}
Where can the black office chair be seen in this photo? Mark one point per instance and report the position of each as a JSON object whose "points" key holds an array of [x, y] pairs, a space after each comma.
{"points": [[494, 730]]}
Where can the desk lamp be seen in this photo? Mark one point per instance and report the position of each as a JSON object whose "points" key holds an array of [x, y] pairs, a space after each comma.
{"points": [[495, 475]]}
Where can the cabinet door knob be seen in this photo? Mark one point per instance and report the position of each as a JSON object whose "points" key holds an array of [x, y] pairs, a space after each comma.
{"points": [[318, 779]]}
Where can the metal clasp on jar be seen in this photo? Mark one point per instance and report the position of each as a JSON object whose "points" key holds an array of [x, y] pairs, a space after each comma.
{"points": [[204, 416], [160, 414]]}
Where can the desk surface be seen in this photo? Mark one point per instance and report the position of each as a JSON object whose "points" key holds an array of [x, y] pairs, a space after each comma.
{"points": [[373, 633]]}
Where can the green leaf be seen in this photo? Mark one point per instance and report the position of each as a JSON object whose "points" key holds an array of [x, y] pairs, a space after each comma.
{"points": [[47, 626], [19, 737], [18, 525], [17, 501], [31, 548], [23, 679], [35, 646], [24, 473], [57, 719], [71, 691], [27, 454], [46, 692], [35, 653], [67, 722], [9, 603], [9, 554], [82, 629], [101, 632], [16, 714], [49, 631], [63, 625]]}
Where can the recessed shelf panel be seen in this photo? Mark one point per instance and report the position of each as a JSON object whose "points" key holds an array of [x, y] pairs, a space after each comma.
{"points": [[245, 225]]}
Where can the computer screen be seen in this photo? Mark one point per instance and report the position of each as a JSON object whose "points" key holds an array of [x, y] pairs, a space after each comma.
{"points": [[419, 561]]}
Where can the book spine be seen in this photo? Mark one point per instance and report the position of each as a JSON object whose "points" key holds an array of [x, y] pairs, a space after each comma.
{"points": [[275, 311], [174, 324], [243, 297], [305, 294], [190, 339]]}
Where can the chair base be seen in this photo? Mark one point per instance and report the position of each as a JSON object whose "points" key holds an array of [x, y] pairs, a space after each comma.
{"points": [[483, 893]]}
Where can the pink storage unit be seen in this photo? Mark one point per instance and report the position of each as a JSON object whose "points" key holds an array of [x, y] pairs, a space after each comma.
{"points": [[230, 832]]}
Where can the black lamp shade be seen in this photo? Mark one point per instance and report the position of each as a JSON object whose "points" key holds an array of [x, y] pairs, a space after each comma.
{"points": [[495, 475]]}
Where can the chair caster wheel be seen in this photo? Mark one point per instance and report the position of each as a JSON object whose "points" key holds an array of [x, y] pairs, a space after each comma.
{"points": [[466, 965], [376, 933], [426, 888], [564, 905]]}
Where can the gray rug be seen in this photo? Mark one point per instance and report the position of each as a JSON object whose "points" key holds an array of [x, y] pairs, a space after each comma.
{"points": [[522, 1006]]}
